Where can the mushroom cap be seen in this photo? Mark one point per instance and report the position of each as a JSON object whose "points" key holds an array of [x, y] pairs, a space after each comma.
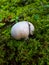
{"points": [[21, 30], [31, 28]]}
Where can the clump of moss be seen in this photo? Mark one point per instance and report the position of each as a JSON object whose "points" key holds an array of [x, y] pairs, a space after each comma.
{"points": [[35, 51]]}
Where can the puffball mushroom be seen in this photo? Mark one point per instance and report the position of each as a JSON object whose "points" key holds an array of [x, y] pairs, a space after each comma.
{"points": [[22, 29]]}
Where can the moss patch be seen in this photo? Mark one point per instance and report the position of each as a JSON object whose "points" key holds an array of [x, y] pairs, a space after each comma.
{"points": [[35, 51]]}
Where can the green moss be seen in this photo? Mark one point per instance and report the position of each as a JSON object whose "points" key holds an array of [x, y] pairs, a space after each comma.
{"points": [[34, 51]]}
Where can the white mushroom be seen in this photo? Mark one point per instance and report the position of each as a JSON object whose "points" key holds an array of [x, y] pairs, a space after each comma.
{"points": [[22, 29]]}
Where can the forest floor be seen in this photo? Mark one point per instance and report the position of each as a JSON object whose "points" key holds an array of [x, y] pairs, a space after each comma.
{"points": [[35, 51]]}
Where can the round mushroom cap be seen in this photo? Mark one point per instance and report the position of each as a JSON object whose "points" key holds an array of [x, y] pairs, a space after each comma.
{"points": [[21, 30]]}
